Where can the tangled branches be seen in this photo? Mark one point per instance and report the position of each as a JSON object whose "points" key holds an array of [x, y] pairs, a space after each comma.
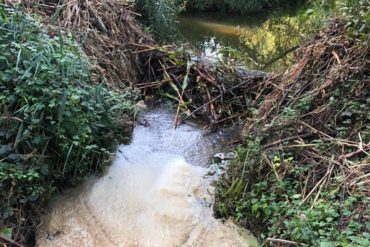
{"points": [[219, 93], [106, 30], [307, 148], [325, 96]]}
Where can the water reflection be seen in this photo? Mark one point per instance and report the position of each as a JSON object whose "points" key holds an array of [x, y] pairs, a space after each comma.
{"points": [[264, 41]]}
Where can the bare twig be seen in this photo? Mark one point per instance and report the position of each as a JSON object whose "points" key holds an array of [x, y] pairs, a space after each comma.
{"points": [[281, 241], [9, 240]]}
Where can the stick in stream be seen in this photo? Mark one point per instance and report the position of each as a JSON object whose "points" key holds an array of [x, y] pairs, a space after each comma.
{"points": [[211, 101]]}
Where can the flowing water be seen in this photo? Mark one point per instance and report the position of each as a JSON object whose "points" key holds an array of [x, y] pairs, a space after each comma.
{"points": [[262, 40], [158, 192]]}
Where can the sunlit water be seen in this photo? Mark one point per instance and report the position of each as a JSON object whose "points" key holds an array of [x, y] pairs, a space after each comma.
{"points": [[262, 39], [158, 192]]}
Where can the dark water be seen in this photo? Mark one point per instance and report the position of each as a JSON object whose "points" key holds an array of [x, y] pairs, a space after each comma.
{"points": [[262, 40]]}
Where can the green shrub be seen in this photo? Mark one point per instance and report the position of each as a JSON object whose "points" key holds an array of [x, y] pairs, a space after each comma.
{"points": [[160, 16], [55, 126], [303, 172], [355, 12], [272, 207], [303, 190]]}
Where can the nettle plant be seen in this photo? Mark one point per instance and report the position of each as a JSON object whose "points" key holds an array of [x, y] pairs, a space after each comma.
{"points": [[55, 126]]}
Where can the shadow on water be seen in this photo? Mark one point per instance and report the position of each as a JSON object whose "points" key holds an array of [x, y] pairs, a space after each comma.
{"points": [[263, 41]]}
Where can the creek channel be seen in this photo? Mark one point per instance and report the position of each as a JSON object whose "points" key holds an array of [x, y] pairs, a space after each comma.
{"points": [[264, 41], [158, 192]]}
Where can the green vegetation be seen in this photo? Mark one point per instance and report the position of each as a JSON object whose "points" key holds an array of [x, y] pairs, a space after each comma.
{"points": [[240, 6], [271, 45], [55, 126], [355, 12], [160, 16], [302, 173]]}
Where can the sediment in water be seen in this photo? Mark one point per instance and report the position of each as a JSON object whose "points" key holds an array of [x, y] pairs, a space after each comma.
{"points": [[151, 196]]}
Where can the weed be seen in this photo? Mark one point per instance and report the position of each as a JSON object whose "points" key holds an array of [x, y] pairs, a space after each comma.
{"points": [[302, 174], [55, 126]]}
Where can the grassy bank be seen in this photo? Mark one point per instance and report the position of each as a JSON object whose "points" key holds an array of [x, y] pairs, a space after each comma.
{"points": [[56, 126], [302, 174]]}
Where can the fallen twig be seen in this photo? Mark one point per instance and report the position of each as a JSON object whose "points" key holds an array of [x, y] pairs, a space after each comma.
{"points": [[9, 240], [282, 241]]}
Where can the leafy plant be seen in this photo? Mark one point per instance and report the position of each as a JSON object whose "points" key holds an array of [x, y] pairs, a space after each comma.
{"points": [[160, 16], [55, 126], [357, 14], [303, 171], [354, 12]]}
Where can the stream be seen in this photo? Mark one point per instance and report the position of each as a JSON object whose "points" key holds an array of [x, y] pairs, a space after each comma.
{"points": [[157, 192], [263, 41]]}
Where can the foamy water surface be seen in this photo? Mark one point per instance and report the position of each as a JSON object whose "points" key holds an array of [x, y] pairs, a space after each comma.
{"points": [[156, 194]]}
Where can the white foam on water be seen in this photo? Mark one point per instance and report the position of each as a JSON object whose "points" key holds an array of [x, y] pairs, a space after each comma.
{"points": [[150, 197]]}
